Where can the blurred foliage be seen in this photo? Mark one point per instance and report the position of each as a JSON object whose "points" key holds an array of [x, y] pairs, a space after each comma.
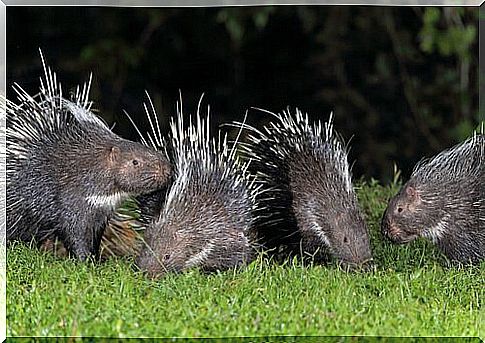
{"points": [[402, 82]]}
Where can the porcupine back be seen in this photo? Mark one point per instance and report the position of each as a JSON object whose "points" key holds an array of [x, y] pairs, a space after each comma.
{"points": [[310, 206], [207, 215], [67, 171], [444, 201]]}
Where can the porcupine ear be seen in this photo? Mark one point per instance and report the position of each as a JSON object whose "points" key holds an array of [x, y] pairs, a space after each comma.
{"points": [[114, 153], [411, 192]]}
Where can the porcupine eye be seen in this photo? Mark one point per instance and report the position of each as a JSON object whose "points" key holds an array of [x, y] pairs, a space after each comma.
{"points": [[399, 209], [135, 162]]}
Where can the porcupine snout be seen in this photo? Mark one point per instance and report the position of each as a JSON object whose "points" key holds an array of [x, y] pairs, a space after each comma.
{"points": [[152, 270], [389, 231], [392, 229], [162, 168], [354, 251], [148, 263]]}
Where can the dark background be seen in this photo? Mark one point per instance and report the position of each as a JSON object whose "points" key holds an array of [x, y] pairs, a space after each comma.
{"points": [[402, 81]]}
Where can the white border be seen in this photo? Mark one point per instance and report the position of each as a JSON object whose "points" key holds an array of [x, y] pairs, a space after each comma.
{"points": [[186, 3]]}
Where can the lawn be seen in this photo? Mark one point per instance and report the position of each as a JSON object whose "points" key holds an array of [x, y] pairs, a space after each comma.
{"points": [[408, 293]]}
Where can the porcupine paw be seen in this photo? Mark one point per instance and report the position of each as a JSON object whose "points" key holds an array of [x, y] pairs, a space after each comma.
{"points": [[80, 250]]}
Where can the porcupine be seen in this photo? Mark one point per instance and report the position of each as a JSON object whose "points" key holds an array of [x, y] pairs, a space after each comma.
{"points": [[444, 201], [205, 219], [310, 208], [67, 171]]}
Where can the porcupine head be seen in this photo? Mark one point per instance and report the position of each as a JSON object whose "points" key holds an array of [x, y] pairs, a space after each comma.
{"points": [[205, 218], [136, 169], [443, 201]]}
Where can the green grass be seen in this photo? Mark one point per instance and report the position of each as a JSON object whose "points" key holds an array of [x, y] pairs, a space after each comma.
{"points": [[409, 293]]}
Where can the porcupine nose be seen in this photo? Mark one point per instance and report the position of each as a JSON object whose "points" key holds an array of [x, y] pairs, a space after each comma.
{"points": [[362, 259], [148, 266], [390, 231]]}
